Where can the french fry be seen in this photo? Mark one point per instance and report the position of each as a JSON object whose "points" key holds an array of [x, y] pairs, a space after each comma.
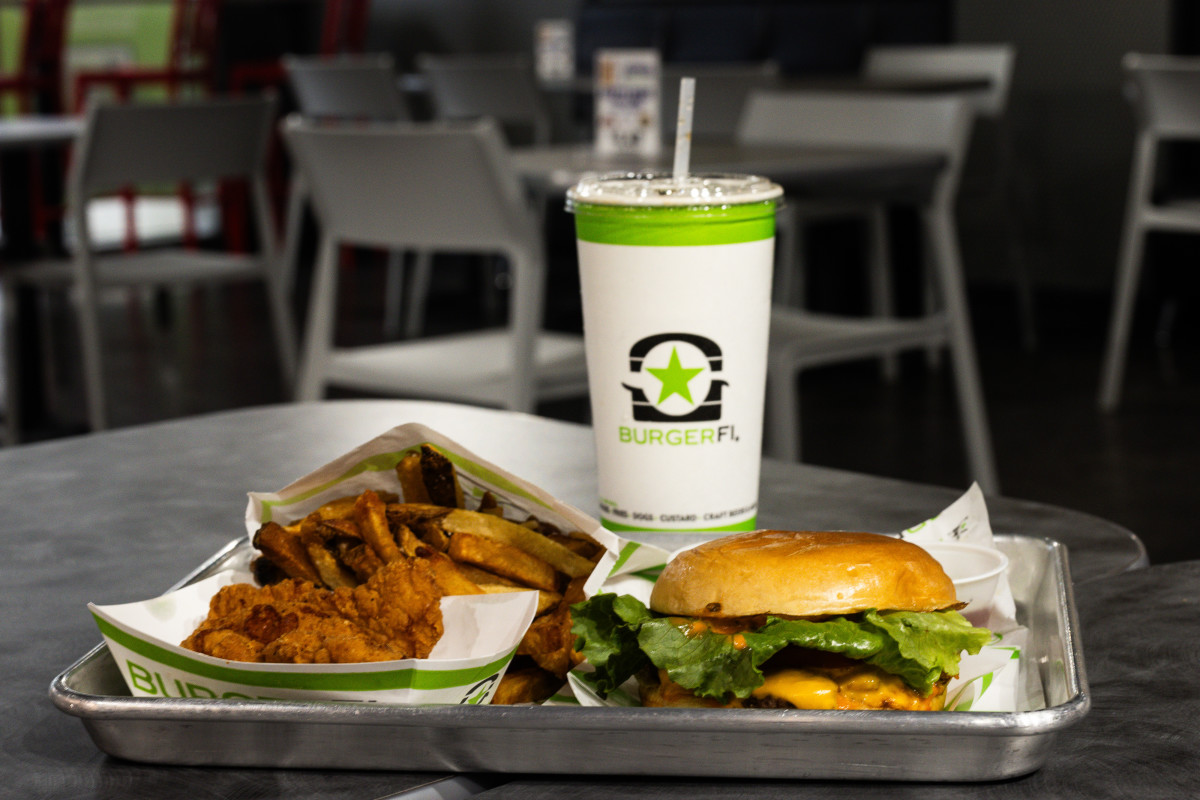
{"points": [[503, 559], [343, 507], [266, 571], [485, 578], [360, 559], [461, 521], [440, 478], [491, 583], [340, 528], [488, 504], [429, 532], [448, 575], [549, 641], [412, 513], [371, 516], [529, 685], [579, 543], [412, 483], [332, 573], [285, 550]]}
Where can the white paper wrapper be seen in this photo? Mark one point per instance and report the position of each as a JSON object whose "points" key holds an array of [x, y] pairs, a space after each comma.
{"points": [[987, 681], [481, 631]]}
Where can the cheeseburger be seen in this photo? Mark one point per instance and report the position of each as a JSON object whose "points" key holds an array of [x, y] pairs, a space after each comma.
{"points": [[781, 619]]}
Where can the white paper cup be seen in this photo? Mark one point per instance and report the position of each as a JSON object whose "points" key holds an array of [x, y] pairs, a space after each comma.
{"points": [[676, 282]]}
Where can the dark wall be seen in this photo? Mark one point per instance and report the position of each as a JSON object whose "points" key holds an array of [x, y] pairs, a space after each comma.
{"points": [[803, 35]]}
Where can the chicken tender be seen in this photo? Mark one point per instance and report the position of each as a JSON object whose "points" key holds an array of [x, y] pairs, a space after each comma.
{"points": [[395, 614]]}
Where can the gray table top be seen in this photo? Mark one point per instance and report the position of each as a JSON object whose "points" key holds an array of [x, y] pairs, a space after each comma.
{"points": [[900, 175], [122, 515]]}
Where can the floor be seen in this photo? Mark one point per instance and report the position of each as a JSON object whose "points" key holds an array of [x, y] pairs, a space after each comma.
{"points": [[211, 350]]}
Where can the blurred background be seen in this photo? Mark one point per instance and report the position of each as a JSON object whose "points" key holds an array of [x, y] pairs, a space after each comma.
{"points": [[1069, 134]]}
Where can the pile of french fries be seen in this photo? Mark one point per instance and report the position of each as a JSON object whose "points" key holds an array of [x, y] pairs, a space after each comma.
{"points": [[347, 540]]}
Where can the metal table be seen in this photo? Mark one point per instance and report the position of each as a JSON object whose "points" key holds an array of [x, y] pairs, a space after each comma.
{"points": [[122, 515], [896, 175]]}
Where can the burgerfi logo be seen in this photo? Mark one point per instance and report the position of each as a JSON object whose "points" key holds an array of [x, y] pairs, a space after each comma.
{"points": [[675, 378]]}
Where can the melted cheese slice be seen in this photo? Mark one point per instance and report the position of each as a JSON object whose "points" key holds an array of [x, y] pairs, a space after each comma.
{"points": [[801, 688], [847, 688]]}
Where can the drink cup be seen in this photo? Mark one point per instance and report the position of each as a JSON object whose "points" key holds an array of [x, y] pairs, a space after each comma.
{"points": [[676, 282]]}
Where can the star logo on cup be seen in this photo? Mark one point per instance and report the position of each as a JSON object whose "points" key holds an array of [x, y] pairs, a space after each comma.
{"points": [[675, 378]]}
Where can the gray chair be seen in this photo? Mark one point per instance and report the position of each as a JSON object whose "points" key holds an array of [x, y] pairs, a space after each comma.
{"points": [[346, 87], [154, 144], [503, 87], [995, 63], [802, 339], [436, 186], [1165, 92], [353, 88]]}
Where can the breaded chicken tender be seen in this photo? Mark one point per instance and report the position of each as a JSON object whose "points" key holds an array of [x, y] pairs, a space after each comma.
{"points": [[396, 614]]}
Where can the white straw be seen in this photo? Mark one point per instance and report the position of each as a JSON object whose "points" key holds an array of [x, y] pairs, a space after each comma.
{"points": [[683, 127]]}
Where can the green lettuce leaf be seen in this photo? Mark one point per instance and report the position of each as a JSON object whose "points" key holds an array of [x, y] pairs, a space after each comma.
{"points": [[619, 636], [921, 646], [605, 629]]}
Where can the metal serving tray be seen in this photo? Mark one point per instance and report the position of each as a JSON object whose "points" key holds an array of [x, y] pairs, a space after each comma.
{"points": [[753, 743]]}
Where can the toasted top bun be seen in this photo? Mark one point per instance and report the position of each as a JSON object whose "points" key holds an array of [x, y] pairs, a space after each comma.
{"points": [[801, 574]]}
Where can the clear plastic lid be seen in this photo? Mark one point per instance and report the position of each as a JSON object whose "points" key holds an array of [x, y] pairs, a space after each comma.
{"points": [[663, 189]]}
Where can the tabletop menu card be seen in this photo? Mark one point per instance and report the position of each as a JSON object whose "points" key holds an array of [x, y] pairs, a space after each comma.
{"points": [[554, 50], [627, 102]]}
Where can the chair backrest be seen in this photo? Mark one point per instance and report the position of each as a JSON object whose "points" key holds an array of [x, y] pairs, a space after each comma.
{"points": [[994, 62], [940, 123], [1165, 92], [431, 186], [346, 87], [139, 143], [721, 92], [503, 87]]}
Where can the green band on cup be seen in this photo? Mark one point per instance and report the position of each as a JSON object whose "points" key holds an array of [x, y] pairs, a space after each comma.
{"points": [[675, 226], [736, 527]]}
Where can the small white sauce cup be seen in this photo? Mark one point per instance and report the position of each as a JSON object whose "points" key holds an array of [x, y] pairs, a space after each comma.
{"points": [[975, 571]]}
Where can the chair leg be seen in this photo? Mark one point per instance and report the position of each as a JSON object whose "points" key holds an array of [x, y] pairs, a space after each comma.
{"points": [[930, 301], [318, 339], [1121, 323], [418, 293], [10, 353], [781, 429], [1129, 266], [526, 305], [89, 340], [789, 258], [393, 294], [1010, 200], [285, 330], [980, 456], [276, 285], [292, 228], [879, 266]]}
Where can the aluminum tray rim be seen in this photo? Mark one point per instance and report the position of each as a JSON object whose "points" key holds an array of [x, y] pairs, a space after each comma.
{"points": [[177, 709]]}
